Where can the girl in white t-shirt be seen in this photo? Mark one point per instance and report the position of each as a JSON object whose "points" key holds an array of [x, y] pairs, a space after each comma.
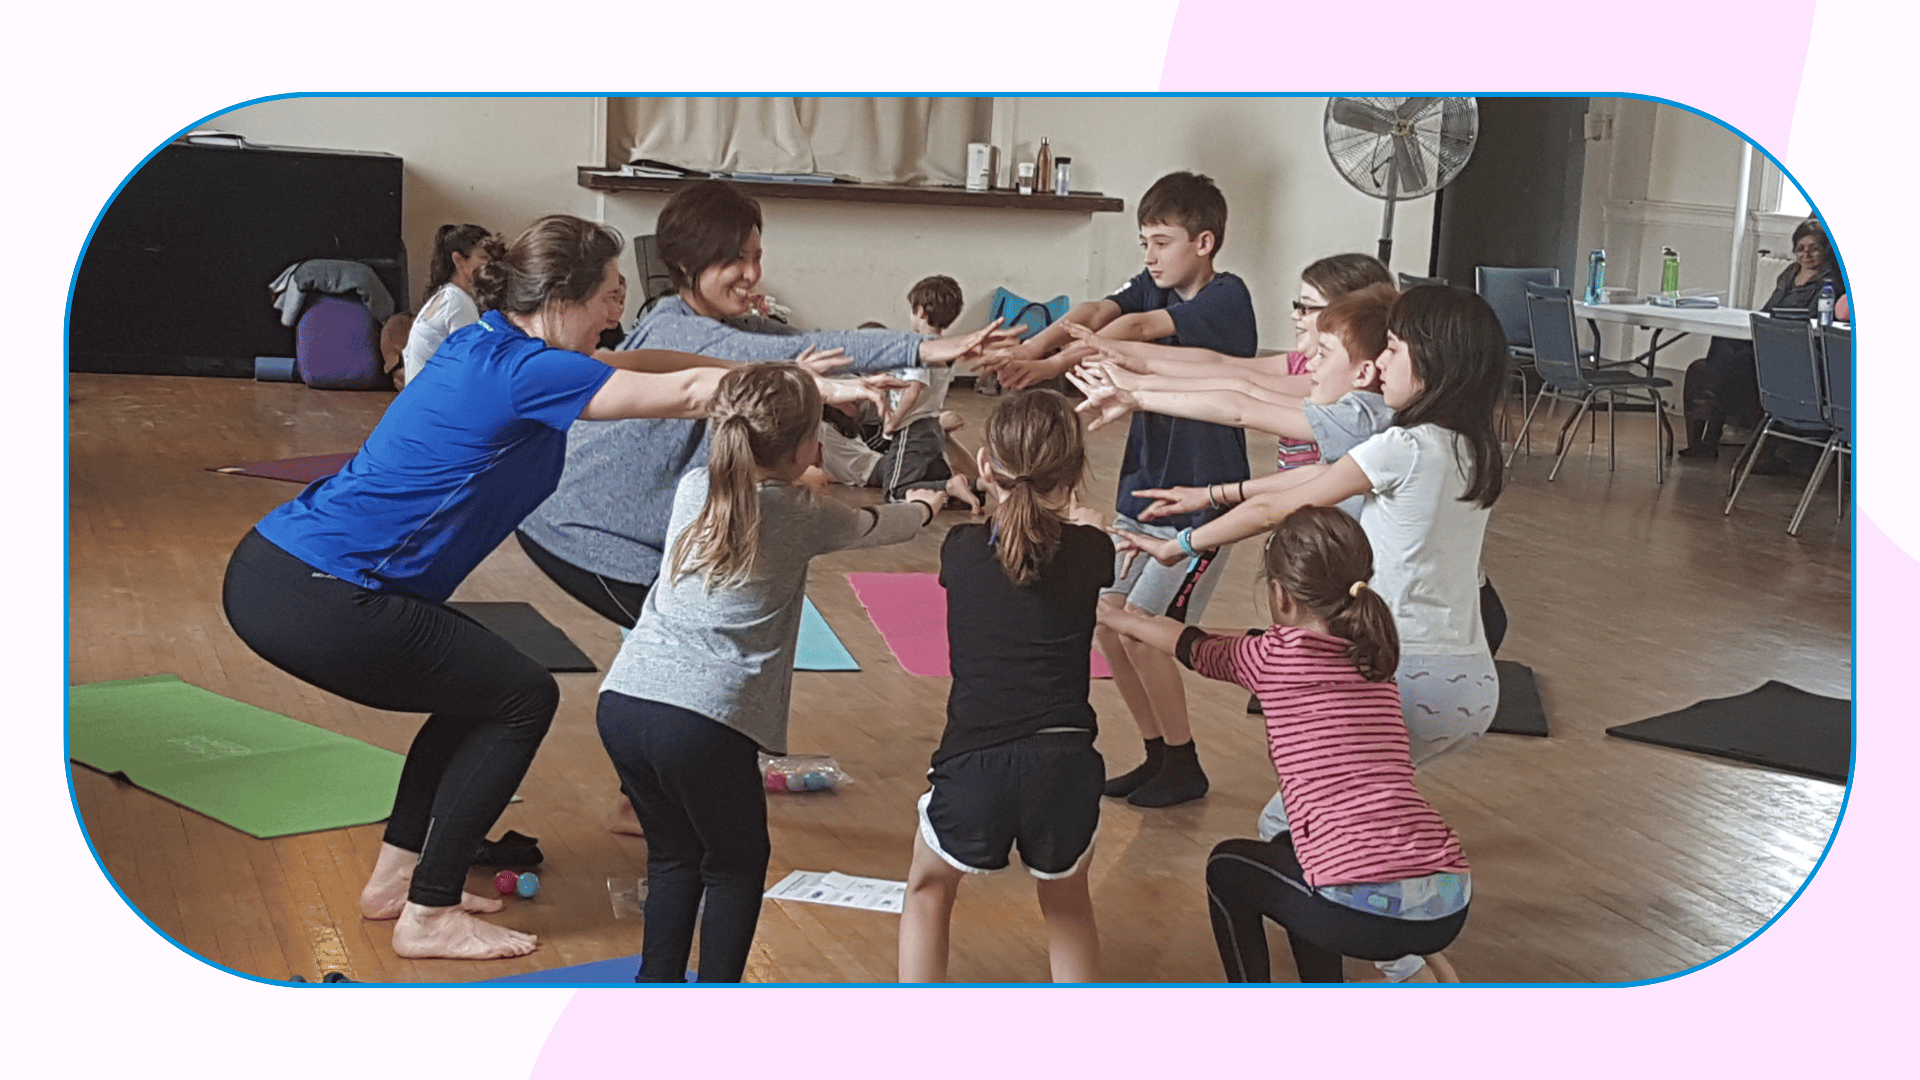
{"points": [[458, 250], [1428, 483]]}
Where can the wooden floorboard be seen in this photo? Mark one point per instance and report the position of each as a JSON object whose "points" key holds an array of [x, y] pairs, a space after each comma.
{"points": [[1595, 859]]}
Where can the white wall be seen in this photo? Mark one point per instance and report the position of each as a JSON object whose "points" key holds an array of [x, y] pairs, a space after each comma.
{"points": [[500, 162], [1665, 176], [497, 162]]}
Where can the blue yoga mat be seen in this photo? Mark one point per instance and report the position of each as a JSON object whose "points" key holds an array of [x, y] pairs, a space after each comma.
{"points": [[820, 647], [618, 971]]}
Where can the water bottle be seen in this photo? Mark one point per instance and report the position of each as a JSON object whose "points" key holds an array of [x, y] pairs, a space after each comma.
{"points": [[1670, 273], [1597, 276], [1043, 168], [1826, 304]]}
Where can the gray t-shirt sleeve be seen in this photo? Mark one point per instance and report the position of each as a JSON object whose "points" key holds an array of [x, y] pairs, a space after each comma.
{"points": [[1348, 422]]}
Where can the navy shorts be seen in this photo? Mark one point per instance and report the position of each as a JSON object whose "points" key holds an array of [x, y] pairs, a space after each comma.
{"points": [[1040, 794]]}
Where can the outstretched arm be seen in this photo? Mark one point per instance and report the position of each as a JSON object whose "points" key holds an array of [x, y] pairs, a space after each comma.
{"points": [[629, 395], [1327, 485], [1282, 417]]}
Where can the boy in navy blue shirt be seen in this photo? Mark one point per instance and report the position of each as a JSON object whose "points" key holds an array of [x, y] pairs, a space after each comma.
{"points": [[1179, 299]]}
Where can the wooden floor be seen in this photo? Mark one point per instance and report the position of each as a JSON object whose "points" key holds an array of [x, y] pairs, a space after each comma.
{"points": [[1595, 859]]}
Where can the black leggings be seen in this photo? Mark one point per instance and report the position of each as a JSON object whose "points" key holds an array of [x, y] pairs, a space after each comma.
{"points": [[696, 786], [616, 601], [1251, 879], [488, 704], [1721, 386]]}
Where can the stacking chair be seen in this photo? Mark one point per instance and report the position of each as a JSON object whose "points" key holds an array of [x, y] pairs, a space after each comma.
{"points": [[1564, 373], [1835, 353], [1504, 288], [1791, 405]]}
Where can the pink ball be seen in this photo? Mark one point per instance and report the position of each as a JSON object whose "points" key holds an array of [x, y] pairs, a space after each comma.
{"points": [[506, 881]]}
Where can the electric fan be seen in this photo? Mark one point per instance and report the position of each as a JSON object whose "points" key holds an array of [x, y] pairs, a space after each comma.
{"points": [[1396, 148]]}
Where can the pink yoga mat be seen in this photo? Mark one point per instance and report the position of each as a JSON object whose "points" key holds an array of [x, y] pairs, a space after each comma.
{"points": [[300, 470], [910, 611]]}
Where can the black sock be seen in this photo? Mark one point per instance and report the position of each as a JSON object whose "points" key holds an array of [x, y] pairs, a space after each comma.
{"points": [[1179, 780], [1127, 783]]}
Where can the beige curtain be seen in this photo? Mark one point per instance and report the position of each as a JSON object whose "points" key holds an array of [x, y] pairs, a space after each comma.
{"points": [[890, 140]]}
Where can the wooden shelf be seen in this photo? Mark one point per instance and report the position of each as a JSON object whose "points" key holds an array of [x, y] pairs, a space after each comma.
{"points": [[1084, 202]]}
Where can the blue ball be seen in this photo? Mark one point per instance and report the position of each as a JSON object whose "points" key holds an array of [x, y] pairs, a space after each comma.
{"points": [[529, 886]]}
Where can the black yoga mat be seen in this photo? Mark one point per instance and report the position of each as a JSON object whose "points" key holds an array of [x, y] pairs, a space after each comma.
{"points": [[1520, 712], [1777, 726], [528, 631]]}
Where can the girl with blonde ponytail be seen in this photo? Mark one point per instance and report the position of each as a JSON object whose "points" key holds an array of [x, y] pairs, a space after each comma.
{"points": [[1016, 765], [1372, 871], [703, 683]]}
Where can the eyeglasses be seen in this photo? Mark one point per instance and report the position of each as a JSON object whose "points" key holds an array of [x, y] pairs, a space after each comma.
{"points": [[1301, 307]]}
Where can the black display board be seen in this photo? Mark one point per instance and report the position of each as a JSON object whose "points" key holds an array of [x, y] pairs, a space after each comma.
{"points": [[174, 281]]}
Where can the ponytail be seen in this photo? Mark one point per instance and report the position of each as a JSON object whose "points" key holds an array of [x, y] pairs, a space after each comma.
{"points": [[447, 241], [1322, 559], [1038, 457], [760, 415], [1373, 641]]}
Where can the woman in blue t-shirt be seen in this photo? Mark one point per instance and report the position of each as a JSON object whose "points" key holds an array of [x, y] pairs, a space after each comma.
{"points": [[345, 587]]}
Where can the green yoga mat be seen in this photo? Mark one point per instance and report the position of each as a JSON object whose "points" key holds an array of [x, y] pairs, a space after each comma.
{"points": [[262, 773]]}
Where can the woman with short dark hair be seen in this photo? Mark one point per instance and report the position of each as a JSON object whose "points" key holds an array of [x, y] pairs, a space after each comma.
{"points": [[1724, 385]]}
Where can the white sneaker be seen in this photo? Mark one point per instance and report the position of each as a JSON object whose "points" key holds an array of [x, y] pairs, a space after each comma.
{"points": [[1406, 969]]}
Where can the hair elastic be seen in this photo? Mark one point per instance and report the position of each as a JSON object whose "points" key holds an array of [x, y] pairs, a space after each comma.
{"points": [[1356, 588]]}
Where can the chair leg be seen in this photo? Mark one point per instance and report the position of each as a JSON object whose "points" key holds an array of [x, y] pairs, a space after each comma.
{"points": [[1610, 432], [1526, 425], [1662, 438], [1841, 472], [1753, 455], [1566, 443], [1813, 485]]}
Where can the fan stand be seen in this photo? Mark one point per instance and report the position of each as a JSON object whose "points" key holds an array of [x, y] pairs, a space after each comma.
{"points": [[1386, 221]]}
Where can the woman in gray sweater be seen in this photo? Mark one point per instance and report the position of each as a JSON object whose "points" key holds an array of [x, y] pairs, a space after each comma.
{"points": [[602, 533]]}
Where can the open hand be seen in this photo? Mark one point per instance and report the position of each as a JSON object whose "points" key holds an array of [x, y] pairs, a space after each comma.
{"points": [[1170, 501], [1107, 349], [986, 340], [934, 501], [1105, 401], [1165, 552], [822, 361]]}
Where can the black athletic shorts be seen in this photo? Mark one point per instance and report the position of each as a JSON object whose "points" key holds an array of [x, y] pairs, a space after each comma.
{"points": [[1040, 794]]}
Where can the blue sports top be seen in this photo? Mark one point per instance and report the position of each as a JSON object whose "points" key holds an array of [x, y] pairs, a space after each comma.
{"points": [[460, 457], [1169, 451]]}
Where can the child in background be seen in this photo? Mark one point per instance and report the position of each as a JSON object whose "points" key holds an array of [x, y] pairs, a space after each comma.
{"points": [[1179, 299], [458, 251], [1016, 765], [914, 448], [704, 681], [1378, 874]]}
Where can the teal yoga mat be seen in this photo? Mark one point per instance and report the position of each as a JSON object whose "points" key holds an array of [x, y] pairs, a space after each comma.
{"points": [[262, 773], [820, 647]]}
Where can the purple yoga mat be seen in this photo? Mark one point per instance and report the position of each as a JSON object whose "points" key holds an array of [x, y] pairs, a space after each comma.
{"points": [[910, 611], [300, 470]]}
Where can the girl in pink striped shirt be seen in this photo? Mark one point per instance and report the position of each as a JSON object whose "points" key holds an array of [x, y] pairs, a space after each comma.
{"points": [[1369, 870]]}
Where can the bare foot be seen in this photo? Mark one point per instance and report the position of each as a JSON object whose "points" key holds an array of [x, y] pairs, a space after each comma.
{"points": [[455, 934], [951, 421], [624, 821], [386, 891]]}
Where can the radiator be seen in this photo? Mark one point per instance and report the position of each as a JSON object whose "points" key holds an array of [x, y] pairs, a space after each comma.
{"points": [[1766, 272]]}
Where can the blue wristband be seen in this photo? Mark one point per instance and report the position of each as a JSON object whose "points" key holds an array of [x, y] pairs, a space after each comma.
{"points": [[1185, 536]]}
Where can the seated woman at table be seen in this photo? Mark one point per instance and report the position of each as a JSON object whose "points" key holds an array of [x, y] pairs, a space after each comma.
{"points": [[1724, 384]]}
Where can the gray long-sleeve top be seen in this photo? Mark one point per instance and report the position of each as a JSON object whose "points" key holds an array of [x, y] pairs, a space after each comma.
{"points": [[609, 515], [727, 653]]}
